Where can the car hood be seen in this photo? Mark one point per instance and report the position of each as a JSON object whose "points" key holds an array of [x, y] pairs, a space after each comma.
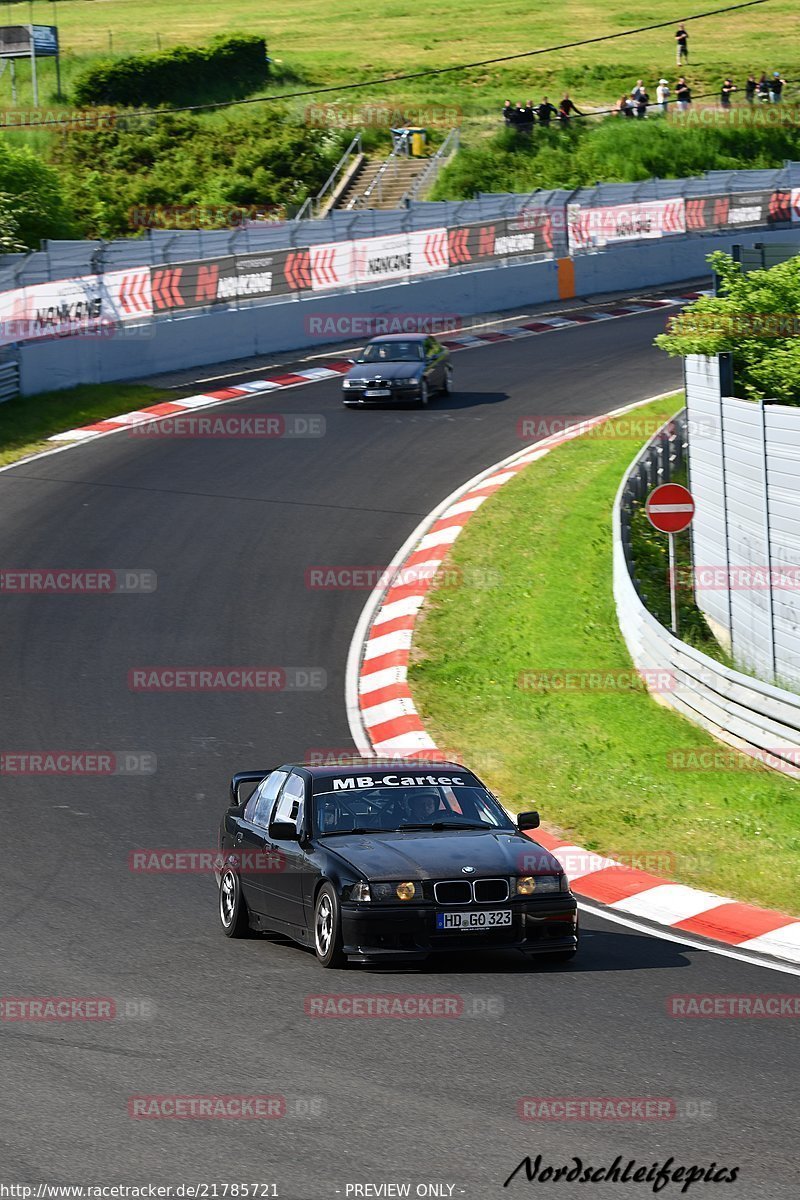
{"points": [[442, 854], [386, 370]]}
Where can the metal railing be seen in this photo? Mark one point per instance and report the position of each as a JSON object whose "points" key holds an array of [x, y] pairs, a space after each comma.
{"points": [[757, 718], [386, 172], [9, 381], [313, 206], [425, 181]]}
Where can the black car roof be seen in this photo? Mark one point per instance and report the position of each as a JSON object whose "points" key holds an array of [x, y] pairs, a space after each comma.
{"points": [[399, 337], [357, 766]]}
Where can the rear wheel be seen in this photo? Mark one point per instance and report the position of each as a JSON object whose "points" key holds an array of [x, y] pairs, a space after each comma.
{"points": [[233, 914], [328, 928]]}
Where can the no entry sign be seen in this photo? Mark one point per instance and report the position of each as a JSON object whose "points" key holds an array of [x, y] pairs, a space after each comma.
{"points": [[670, 508]]}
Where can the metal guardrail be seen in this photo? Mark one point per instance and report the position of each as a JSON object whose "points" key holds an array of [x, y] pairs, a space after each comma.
{"points": [[314, 204], [757, 718], [425, 181], [9, 381]]}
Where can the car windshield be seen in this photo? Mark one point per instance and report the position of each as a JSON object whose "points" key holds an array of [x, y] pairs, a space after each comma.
{"points": [[392, 352], [388, 809]]}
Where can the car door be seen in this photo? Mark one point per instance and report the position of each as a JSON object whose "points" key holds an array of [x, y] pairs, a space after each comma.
{"points": [[284, 887], [434, 364], [252, 841]]}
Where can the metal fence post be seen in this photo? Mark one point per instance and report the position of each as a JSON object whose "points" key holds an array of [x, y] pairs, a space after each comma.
{"points": [[767, 537]]}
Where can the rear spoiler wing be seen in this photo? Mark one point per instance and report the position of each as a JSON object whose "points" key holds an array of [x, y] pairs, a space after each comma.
{"points": [[242, 777]]}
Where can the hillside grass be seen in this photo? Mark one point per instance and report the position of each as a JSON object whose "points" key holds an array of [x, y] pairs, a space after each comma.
{"points": [[605, 765]]}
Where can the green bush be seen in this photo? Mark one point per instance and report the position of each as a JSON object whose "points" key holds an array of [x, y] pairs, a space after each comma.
{"points": [[613, 150], [33, 204], [229, 67], [756, 319], [225, 160]]}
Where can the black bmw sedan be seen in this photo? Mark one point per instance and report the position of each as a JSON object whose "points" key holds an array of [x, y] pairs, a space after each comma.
{"points": [[398, 367], [388, 859]]}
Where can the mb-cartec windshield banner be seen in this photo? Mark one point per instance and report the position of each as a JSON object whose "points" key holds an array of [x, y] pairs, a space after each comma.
{"points": [[355, 783], [590, 228]]}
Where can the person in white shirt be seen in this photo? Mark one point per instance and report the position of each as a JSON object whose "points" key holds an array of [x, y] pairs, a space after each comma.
{"points": [[662, 94]]}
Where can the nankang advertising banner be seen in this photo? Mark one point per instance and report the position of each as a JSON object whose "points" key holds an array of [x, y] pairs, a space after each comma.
{"points": [[593, 228]]}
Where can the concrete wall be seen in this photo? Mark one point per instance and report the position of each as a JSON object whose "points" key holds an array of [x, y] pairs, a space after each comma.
{"points": [[225, 334]]}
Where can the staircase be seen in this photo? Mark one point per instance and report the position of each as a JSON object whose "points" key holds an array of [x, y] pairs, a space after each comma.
{"points": [[382, 184]]}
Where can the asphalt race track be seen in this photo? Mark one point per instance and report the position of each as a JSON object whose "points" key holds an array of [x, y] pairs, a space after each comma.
{"points": [[230, 527]]}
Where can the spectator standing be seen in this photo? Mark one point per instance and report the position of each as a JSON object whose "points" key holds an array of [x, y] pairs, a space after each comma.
{"points": [[546, 111], [528, 117], [662, 94], [750, 89], [566, 108], [683, 94], [641, 103], [776, 86], [762, 87], [725, 93], [638, 89], [681, 45], [508, 112]]}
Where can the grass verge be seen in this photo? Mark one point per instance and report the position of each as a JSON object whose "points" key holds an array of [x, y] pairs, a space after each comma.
{"points": [[600, 764], [28, 421]]}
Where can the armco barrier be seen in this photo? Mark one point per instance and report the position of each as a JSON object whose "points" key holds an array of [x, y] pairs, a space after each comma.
{"points": [[755, 717]]}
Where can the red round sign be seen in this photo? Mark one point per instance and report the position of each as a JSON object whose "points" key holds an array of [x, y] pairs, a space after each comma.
{"points": [[670, 508]]}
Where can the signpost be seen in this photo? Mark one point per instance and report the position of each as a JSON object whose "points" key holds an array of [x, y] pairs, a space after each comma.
{"points": [[669, 509], [30, 41]]}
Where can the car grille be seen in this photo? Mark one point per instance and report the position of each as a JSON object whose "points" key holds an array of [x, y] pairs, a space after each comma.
{"points": [[464, 891]]}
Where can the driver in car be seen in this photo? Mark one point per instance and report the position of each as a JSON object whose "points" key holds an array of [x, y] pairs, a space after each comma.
{"points": [[421, 807]]}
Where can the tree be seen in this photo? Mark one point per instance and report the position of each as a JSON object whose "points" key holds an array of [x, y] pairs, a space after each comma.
{"points": [[756, 318]]}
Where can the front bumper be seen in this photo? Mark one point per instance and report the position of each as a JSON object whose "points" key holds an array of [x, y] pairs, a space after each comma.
{"points": [[540, 926], [405, 394]]}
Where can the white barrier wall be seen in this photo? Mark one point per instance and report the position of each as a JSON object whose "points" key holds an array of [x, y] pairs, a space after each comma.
{"points": [[756, 717], [744, 469]]}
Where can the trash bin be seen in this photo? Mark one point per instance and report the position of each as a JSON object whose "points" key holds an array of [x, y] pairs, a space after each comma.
{"points": [[418, 139]]}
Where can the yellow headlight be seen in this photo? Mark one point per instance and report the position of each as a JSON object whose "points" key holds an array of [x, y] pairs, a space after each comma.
{"points": [[526, 885], [406, 891]]}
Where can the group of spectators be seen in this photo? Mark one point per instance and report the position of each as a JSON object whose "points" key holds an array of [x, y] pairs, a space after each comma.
{"points": [[525, 116], [768, 90]]}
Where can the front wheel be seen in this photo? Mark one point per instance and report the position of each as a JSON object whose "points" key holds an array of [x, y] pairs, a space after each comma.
{"points": [[328, 928], [233, 914], [424, 394], [448, 388]]}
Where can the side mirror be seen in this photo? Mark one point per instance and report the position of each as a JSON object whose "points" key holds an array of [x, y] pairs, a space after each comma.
{"points": [[528, 820], [284, 831]]}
